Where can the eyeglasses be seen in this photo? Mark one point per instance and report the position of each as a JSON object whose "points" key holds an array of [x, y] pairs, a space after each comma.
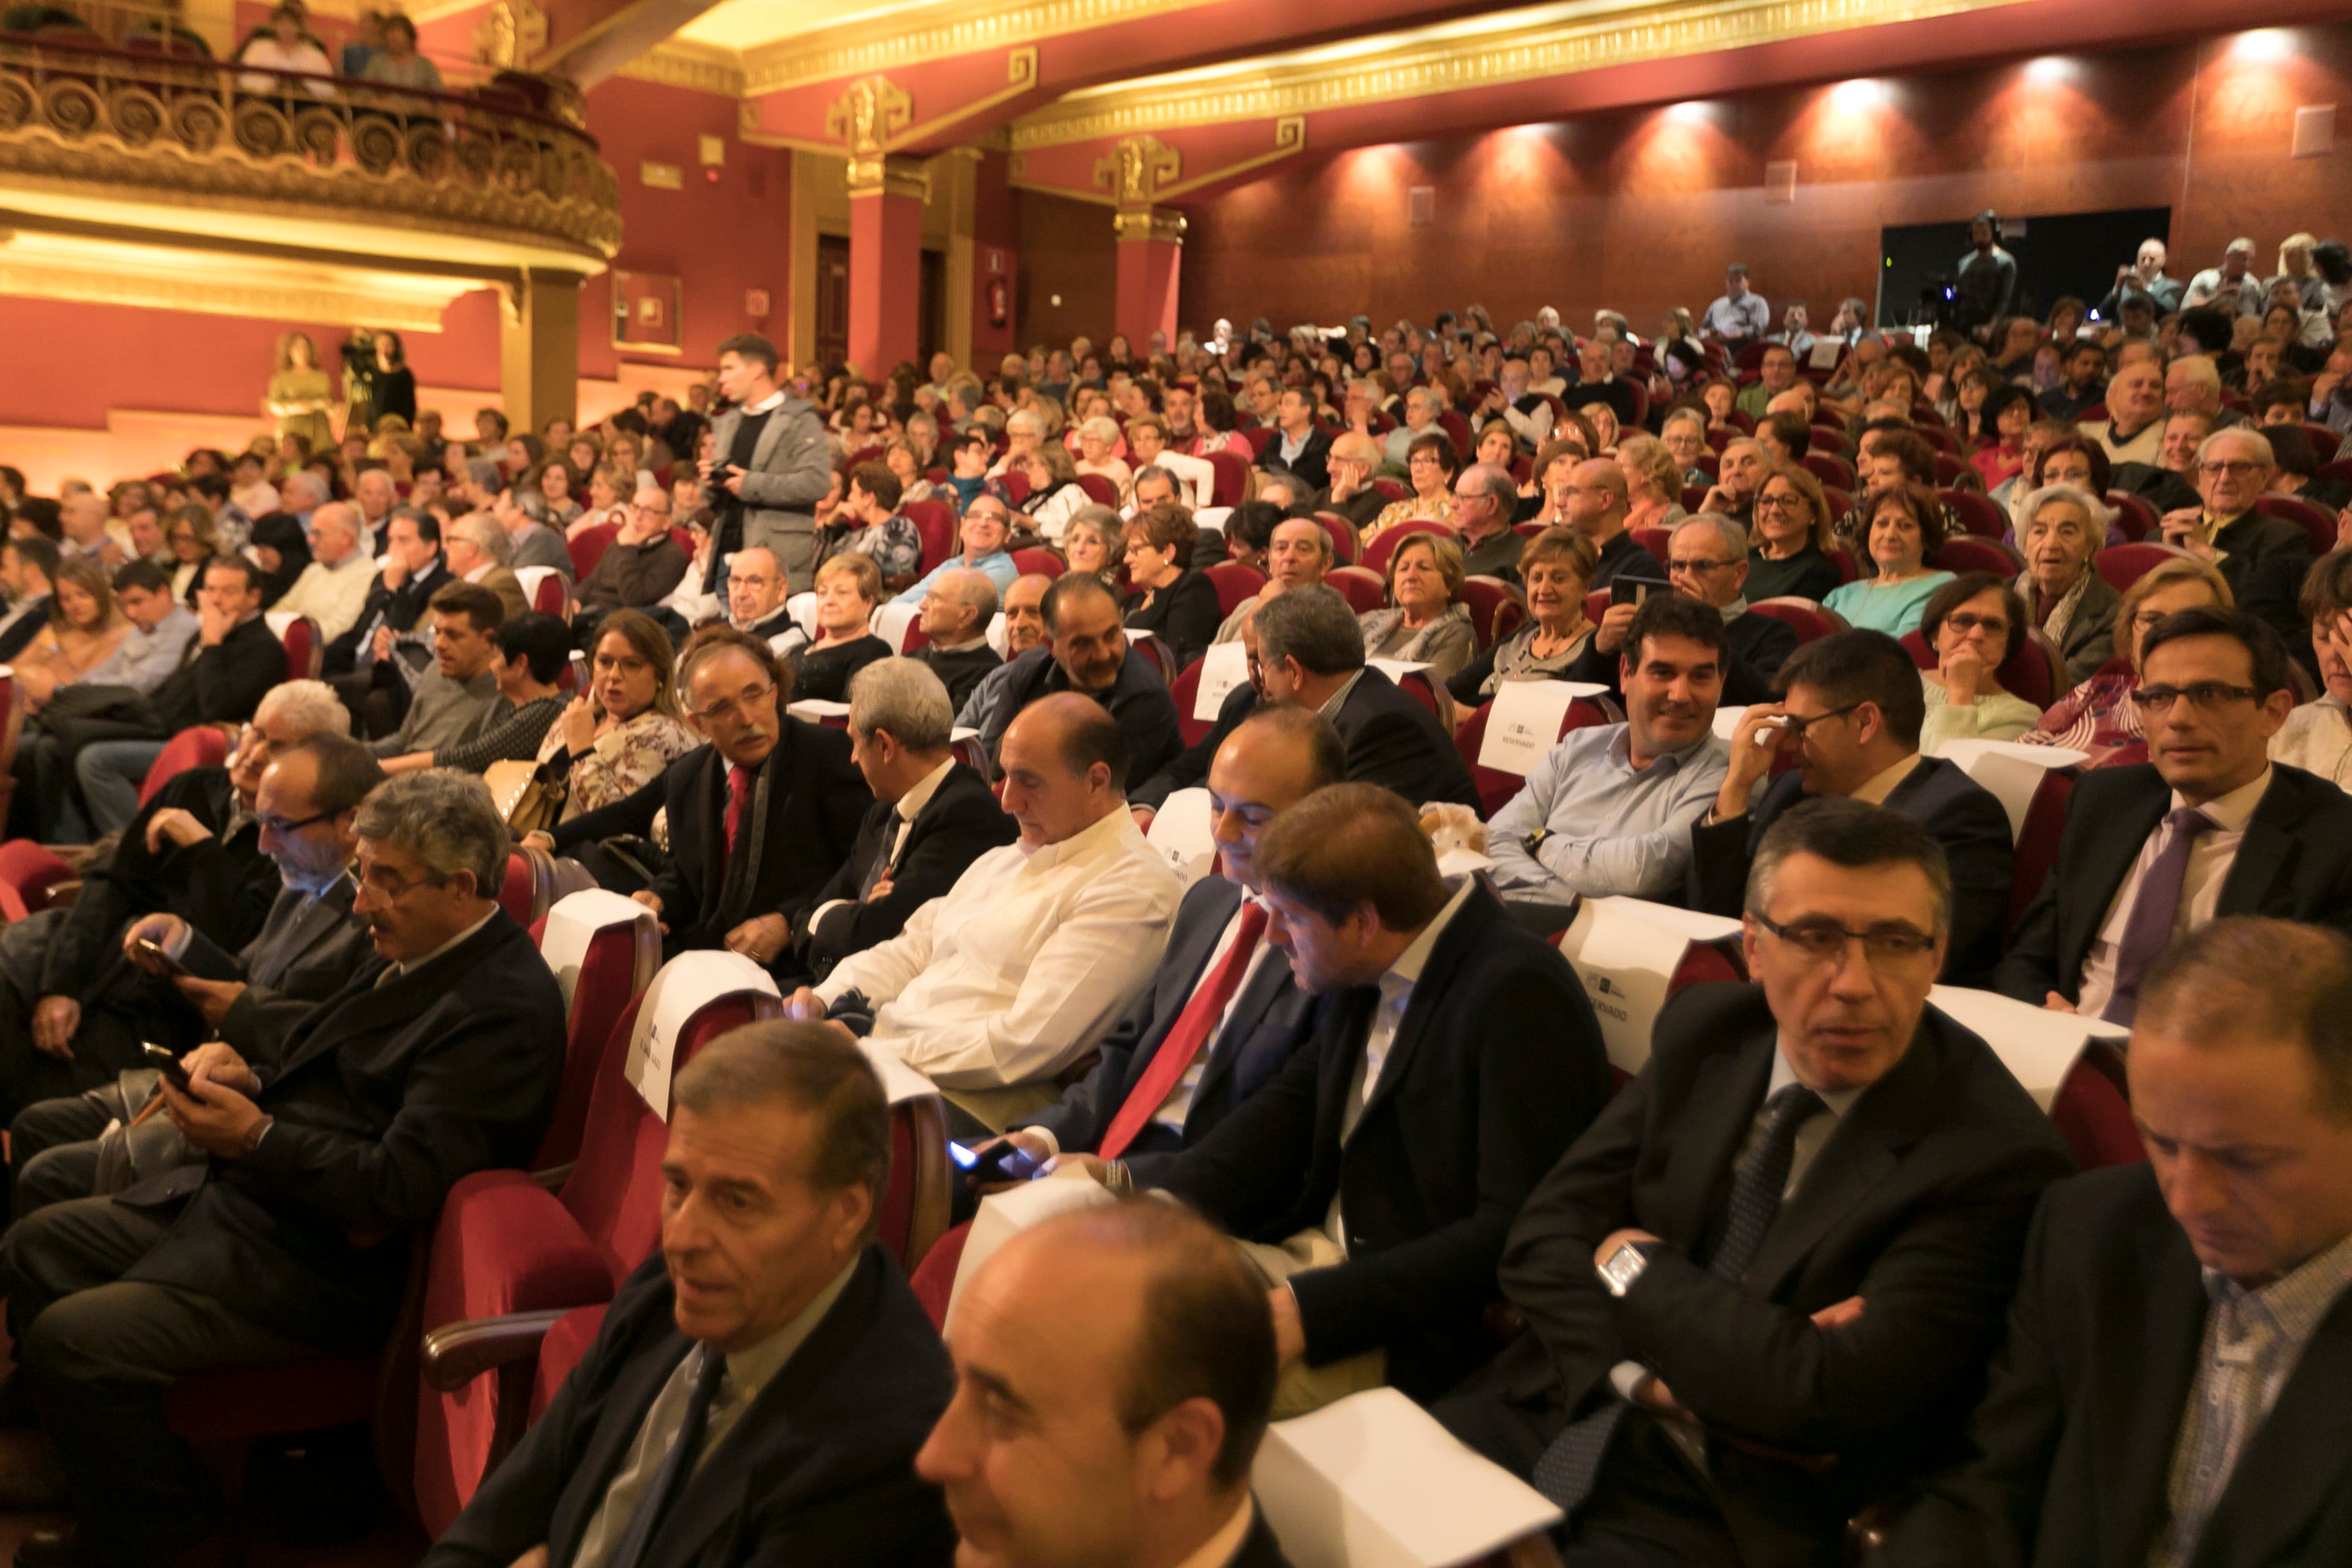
{"points": [[743, 702], [1779, 503], [2205, 694], [1696, 567], [2237, 470], [1963, 622], [1795, 725], [282, 827], [1816, 942]]}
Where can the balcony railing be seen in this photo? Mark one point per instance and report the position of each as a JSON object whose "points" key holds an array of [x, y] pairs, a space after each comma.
{"points": [[479, 161]]}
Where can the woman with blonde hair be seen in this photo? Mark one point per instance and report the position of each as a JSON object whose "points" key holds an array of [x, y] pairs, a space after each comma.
{"points": [[1424, 622], [1556, 567], [1654, 483], [1098, 453], [621, 734], [82, 634], [1795, 552], [2098, 714], [298, 395], [1055, 493]]}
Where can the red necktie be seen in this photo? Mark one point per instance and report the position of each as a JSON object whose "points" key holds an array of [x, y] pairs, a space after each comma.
{"points": [[739, 793], [1190, 1032]]}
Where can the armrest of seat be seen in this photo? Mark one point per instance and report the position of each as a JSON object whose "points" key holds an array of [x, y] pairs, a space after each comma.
{"points": [[459, 1353], [505, 1245]]}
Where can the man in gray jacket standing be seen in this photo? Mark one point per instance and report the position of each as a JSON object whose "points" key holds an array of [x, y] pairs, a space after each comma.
{"points": [[769, 468]]}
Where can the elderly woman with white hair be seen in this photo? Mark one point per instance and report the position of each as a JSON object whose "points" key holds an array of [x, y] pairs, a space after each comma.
{"points": [[2064, 593], [1098, 454]]}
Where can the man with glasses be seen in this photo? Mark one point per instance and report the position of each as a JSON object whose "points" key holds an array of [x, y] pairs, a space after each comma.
{"points": [[1087, 651], [1850, 722], [1484, 499], [1595, 506], [333, 588], [1765, 1288], [755, 600], [987, 525], [2209, 826], [639, 569], [1706, 560], [2262, 557]]}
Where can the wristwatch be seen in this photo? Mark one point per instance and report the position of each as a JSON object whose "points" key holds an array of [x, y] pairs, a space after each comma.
{"points": [[1622, 1266]]}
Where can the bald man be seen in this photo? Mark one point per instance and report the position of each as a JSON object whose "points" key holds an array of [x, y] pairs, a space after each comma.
{"points": [[1025, 628], [88, 535], [1596, 508], [956, 612], [755, 599]]}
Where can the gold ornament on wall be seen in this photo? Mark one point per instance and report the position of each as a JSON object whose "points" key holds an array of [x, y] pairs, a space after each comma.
{"points": [[1138, 170], [513, 32], [874, 111]]}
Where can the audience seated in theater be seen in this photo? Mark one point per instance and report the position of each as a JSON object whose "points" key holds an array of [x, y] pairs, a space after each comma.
{"points": [[291, 1235], [2175, 1351], [637, 570], [1194, 478], [1850, 720], [1224, 1012], [162, 628], [620, 734], [478, 550], [848, 587], [987, 525], [1608, 810], [456, 693], [1373, 1178], [2082, 381], [1311, 654], [411, 572], [1351, 493], [2262, 557], [1973, 623], [1140, 1415], [2063, 527], [1556, 568], [1485, 501], [1906, 528], [535, 543], [1012, 976], [2209, 825], [1430, 465], [28, 571], [956, 616], [1086, 652], [231, 665], [1093, 542], [1739, 473], [770, 1330], [1653, 485], [191, 851], [1298, 555], [1708, 562], [2098, 715], [2133, 431], [1764, 1289], [527, 657], [759, 819], [1055, 493], [1299, 448], [1025, 628], [753, 603], [1596, 500], [1171, 599], [867, 523], [334, 586], [1600, 385], [932, 816], [85, 631], [1424, 623], [2317, 736]]}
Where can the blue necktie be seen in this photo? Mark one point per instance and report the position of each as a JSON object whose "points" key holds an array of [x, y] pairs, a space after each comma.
{"points": [[676, 1466]]}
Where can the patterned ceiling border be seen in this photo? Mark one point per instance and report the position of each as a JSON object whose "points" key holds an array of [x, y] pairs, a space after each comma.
{"points": [[698, 68], [933, 33]]}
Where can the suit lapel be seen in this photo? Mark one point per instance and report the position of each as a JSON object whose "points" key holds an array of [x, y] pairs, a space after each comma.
{"points": [[2296, 1460], [2107, 861], [1461, 935], [1723, 1097], [2261, 853], [622, 1414], [2140, 1400]]}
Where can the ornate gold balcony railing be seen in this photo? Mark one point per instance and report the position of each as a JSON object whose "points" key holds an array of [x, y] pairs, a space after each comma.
{"points": [[205, 134]]}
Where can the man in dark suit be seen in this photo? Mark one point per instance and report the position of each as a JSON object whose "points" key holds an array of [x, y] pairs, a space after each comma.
{"points": [[1764, 1288], [761, 1387], [2234, 467], [1851, 722], [1460, 1062], [932, 818], [2209, 826], [1298, 448], [2173, 1385], [759, 819], [957, 609], [1708, 562], [359, 663], [1597, 510], [1087, 651], [440, 1057], [1136, 1417], [28, 569], [308, 949], [1222, 1011]]}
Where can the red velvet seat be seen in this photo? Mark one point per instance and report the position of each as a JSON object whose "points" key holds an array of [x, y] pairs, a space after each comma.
{"points": [[306, 651], [2316, 521], [2133, 516], [1977, 513], [1184, 690], [1809, 619], [2037, 841], [1039, 563], [2092, 1110], [1099, 490], [1360, 586], [604, 951], [30, 879], [1230, 487], [1377, 553], [1495, 608], [1342, 535], [1968, 553], [1495, 788], [2124, 564], [935, 521], [1235, 583], [1830, 469], [201, 746], [588, 547]]}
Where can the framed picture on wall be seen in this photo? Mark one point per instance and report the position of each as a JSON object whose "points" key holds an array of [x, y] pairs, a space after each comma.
{"points": [[648, 313]]}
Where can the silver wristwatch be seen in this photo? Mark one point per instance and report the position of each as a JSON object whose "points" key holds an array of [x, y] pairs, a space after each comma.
{"points": [[1621, 1267]]}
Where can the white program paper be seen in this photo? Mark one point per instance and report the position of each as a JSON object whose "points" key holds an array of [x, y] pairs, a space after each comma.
{"points": [[1223, 667], [1002, 1215], [2011, 770], [685, 984], [1626, 952], [1523, 721], [573, 924], [2038, 1047], [1373, 1482], [1181, 833]]}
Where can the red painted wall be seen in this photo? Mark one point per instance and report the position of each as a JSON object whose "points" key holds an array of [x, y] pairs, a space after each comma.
{"points": [[1067, 251], [1641, 209]]}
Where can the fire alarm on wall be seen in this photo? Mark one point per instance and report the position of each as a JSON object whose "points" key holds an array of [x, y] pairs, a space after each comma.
{"points": [[755, 302]]}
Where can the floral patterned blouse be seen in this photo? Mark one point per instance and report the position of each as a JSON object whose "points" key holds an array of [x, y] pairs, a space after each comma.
{"points": [[624, 760], [894, 544]]}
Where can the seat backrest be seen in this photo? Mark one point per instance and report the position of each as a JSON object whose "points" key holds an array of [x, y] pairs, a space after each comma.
{"points": [[543, 587], [1658, 541], [1360, 586], [1039, 563], [1830, 469], [1185, 689], [306, 651], [2123, 564], [1496, 785], [1234, 583], [2093, 1111], [1968, 553], [1485, 599], [588, 547], [1377, 553], [2037, 841], [1230, 485], [2134, 517], [2316, 521], [529, 888], [1695, 498], [1976, 514], [1100, 489], [935, 521], [1342, 535], [200, 746], [604, 950], [1807, 619], [30, 876]]}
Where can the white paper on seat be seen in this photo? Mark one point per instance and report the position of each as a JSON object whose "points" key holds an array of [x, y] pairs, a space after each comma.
{"points": [[2011, 770], [901, 1083], [1373, 1482], [893, 621], [573, 924], [279, 621], [1396, 669], [996, 633], [817, 709], [1523, 721], [963, 732], [1726, 721], [2038, 1047], [1211, 516], [685, 984], [1223, 667], [529, 578], [1002, 1215], [1180, 831], [801, 607], [1625, 951]]}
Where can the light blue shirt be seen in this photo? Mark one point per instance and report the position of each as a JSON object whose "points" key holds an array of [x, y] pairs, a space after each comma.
{"points": [[1894, 608], [1746, 317], [146, 657], [1591, 823], [997, 567]]}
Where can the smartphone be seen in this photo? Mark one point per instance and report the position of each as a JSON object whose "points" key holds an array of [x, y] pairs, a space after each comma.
{"points": [[150, 948], [1634, 590], [168, 1064], [1007, 1161]]}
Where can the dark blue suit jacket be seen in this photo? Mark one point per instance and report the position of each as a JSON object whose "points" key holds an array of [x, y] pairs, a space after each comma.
{"points": [[1271, 1018]]}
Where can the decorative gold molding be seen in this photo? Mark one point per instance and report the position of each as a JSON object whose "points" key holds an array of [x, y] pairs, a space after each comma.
{"points": [[1486, 51], [1136, 170], [1020, 76], [698, 68], [1163, 224], [159, 276], [932, 33], [870, 115], [888, 174]]}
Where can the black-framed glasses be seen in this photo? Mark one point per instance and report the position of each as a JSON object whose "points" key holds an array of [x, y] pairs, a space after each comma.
{"points": [[282, 826], [1819, 941], [1966, 621], [1696, 567], [2205, 694], [1795, 725]]}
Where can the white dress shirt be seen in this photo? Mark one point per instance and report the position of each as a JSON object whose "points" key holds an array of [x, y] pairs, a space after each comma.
{"points": [[331, 595], [2318, 738], [2209, 860], [1195, 478], [1015, 972], [908, 807]]}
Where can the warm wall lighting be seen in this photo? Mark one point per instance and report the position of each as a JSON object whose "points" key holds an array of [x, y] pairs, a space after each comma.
{"points": [[2264, 45], [1692, 111], [1859, 94], [2050, 69]]}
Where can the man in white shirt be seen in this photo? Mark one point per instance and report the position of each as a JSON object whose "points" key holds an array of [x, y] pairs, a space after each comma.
{"points": [[1019, 970], [1739, 314], [2133, 431], [1527, 413], [376, 496], [333, 588]]}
